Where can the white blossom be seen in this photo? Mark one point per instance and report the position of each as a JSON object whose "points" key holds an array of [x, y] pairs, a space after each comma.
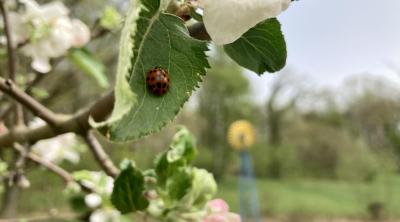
{"points": [[48, 31], [93, 200], [56, 149], [59, 148], [105, 215], [227, 20]]}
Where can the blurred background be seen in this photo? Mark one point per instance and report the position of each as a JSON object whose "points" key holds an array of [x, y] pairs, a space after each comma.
{"points": [[328, 125]]}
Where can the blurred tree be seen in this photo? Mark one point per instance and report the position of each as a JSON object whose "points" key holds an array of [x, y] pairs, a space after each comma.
{"points": [[374, 112], [223, 98], [285, 92]]}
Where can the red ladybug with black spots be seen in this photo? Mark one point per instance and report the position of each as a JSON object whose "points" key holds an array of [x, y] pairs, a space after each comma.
{"points": [[158, 81]]}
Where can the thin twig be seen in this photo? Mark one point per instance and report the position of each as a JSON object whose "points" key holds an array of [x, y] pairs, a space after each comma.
{"points": [[68, 178], [10, 48], [100, 155], [9, 88], [28, 90], [19, 113]]}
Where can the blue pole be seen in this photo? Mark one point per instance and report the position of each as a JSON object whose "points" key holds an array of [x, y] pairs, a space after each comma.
{"points": [[248, 195]]}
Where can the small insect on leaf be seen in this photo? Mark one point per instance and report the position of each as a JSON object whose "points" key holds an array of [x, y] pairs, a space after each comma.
{"points": [[158, 81]]}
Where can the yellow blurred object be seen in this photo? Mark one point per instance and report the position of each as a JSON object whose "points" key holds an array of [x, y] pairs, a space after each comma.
{"points": [[241, 135]]}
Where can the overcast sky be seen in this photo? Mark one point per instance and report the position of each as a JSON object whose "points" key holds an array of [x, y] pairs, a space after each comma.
{"points": [[331, 40]]}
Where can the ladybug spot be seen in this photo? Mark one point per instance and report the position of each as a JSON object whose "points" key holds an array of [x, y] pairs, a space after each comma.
{"points": [[159, 85]]}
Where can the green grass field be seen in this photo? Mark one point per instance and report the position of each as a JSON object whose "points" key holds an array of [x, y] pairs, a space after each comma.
{"points": [[320, 198]]}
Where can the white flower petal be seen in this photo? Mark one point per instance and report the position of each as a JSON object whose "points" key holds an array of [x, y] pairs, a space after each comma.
{"points": [[227, 20], [105, 215], [41, 64], [58, 148], [93, 200], [19, 30], [80, 32], [54, 10]]}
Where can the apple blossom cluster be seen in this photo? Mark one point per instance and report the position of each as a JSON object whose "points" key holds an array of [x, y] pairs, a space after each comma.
{"points": [[46, 31], [227, 20], [56, 149]]}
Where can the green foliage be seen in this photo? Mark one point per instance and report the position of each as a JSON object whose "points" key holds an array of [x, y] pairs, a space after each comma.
{"points": [[91, 66], [127, 195], [181, 153], [177, 188], [159, 40], [262, 48], [178, 184], [111, 19]]}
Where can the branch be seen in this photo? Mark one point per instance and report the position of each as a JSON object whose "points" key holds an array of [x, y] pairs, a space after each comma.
{"points": [[68, 178], [77, 123], [101, 156], [28, 90], [9, 88], [19, 113], [10, 48]]}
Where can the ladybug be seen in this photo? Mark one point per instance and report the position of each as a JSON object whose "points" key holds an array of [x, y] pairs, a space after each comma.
{"points": [[158, 81]]}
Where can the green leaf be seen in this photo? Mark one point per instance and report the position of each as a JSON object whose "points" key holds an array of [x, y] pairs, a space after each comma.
{"points": [[125, 99], [203, 189], [182, 152], [179, 183], [262, 48], [159, 40], [127, 195], [88, 63], [182, 147]]}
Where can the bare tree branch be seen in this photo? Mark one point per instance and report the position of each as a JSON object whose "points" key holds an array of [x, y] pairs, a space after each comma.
{"points": [[9, 88], [10, 48], [101, 156], [19, 113], [77, 123], [68, 178]]}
